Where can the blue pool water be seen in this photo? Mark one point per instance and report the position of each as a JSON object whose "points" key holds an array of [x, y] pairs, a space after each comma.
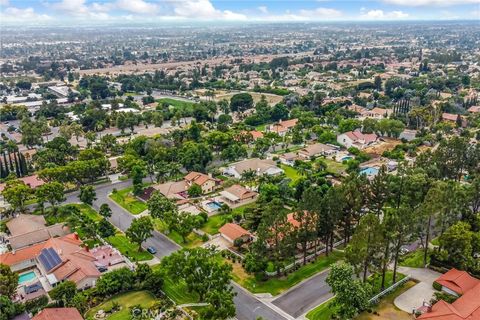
{"points": [[26, 277], [346, 158], [214, 205], [369, 171]]}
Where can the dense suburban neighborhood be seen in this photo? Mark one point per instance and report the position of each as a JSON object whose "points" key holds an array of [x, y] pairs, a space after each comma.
{"points": [[270, 171]]}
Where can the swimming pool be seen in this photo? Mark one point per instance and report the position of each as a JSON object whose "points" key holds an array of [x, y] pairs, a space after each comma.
{"points": [[26, 277], [369, 171], [346, 158], [214, 205]]}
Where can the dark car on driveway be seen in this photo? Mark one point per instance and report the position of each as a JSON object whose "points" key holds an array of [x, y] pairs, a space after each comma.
{"points": [[152, 250]]}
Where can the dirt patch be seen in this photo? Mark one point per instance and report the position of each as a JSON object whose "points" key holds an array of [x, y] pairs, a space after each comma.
{"points": [[387, 145]]}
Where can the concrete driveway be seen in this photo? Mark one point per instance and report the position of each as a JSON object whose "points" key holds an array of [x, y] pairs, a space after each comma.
{"points": [[423, 291]]}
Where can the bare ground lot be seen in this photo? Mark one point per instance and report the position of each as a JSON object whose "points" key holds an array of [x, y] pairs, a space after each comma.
{"points": [[386, 145]]}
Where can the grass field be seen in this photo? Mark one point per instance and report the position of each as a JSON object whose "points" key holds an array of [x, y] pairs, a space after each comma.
{"points": [[128, 248], [334, 166], [322, 312], [214, 223], [385, 309], [376, 281], [126, 200], [413, 259], [125, 300], [179, 104], [276, 286], [192, 240], [89, 212], [291, 173]]}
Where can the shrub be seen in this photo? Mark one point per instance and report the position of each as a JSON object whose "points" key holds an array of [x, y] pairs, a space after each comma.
{"points": [[437, 286]]}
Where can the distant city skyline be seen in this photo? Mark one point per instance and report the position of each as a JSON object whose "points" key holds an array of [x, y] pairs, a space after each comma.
{"points": [[126, 11]]}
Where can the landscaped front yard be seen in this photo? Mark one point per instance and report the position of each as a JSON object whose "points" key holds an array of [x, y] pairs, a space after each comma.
{"points": [[334, 166], [125, 300], [129, 202], [192, 240], [276, 285], [413, 259], [128, 248], [291, 173]]}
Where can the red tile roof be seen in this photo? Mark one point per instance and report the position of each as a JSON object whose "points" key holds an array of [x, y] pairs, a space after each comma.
{"points": [[467, 307], [58, 314], [233, 231], [457, 281]]}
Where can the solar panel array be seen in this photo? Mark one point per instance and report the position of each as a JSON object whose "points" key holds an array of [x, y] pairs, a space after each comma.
{"points": [[49, 258]]}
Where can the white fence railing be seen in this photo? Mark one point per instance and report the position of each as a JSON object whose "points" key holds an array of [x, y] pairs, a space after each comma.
{"points": [[389, 289]]}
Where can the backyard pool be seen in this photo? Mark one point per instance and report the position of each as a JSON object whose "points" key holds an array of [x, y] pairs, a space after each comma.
{"points": [[26, 277], [369, 171], [214, 205], [346, 158]]}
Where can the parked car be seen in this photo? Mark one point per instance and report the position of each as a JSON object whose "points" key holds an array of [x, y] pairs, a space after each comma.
{"points": [[152, 250]]}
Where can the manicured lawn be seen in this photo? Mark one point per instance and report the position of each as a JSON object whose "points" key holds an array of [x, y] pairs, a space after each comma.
{"points": [[241, 209], [261, 127], [179, 104], [291, 173], [127, 248], [385, 309], [215, 222], [334, 166], [276, 286], [193, 240], [376, 281], [125, 300], [322, 312], [126, 200], [89, 212], [413, 259]]}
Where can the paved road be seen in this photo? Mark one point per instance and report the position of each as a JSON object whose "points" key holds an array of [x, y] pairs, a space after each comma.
{"points": [[250, 308], [122, 219], [305, 296]]}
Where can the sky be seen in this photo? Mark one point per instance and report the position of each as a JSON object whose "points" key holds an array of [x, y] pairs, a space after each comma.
{"points": [[44, 12]]}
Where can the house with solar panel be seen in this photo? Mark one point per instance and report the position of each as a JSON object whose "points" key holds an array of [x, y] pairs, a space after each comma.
{"points": [[44, 265]]}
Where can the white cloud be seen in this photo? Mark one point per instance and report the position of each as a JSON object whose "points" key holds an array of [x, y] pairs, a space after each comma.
{"points": [[419, 3], [203, 9], [4, 3], [137, 6], [263, 9], [321, 13], [26, 15], [381, 15]]}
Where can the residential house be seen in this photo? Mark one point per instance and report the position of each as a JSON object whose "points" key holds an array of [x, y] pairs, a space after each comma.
{"points": [[32, 181], [282, 127], [238, 195], [253, 133], [206, 182], [57, 260], [259, 166], [453, 118], [232, 232], [58, 314], [356, 139], [317, 149], [466, 307], [288, 158], [26, 230], [474, 109], [457, 282]]}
